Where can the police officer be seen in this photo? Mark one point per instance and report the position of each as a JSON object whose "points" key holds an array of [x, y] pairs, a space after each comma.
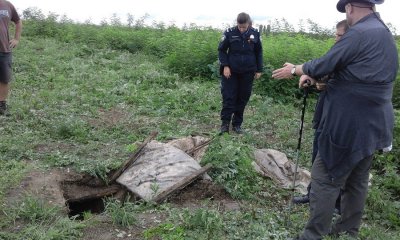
{"points": [[240, 56], [357, 117]]}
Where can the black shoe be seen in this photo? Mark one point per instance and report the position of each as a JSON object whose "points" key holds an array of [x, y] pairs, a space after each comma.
{"points": [[224, 129], [4, 109], [237, 129], [301, 199]]}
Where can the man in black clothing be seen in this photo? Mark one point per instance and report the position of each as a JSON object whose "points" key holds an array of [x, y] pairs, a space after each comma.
{"points": [[357, 117]]}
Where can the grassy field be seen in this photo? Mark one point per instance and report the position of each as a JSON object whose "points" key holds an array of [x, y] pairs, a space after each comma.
{"points": [[81, 107]]}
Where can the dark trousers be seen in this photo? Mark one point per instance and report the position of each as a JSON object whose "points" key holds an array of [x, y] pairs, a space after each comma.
{"points": [[315, 145], [314, 156], [324, 192], [5, 67], [236, 92]]}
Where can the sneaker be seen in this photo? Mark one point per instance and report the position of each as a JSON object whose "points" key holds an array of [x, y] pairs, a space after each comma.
{"points": [[224, 129], [237, 129], [301, 199]]}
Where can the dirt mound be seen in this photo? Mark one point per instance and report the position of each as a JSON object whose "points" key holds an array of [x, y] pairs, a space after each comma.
{"points": [[64, 188], [44, 185], [201, 190]]}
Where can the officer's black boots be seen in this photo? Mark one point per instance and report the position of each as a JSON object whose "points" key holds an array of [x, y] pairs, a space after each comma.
{"points": [[237, 129], [224, 128]]}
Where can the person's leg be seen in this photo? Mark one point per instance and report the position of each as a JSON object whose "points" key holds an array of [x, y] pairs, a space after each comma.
{"points": [[229, 89], [5, 78], [3, 97], [323, 195], [245, 86], [314, 155], [338, 209], [306, 198], [315, 145], [4, 89], [353, 199]]}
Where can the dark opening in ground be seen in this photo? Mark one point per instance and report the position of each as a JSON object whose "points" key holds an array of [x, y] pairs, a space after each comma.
{"points": [[85, 195], [78, 209]]}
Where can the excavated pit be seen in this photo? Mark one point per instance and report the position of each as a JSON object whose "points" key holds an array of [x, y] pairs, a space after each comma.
{"points": [[77, 209], [77, 193], [87, 195]]}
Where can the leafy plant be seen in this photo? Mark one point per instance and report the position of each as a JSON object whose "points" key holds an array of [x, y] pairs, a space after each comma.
{"points": [[232, 167], [166, 231], [121, 214]]}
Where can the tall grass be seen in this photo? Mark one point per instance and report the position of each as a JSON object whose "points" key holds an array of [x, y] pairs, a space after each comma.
{"points": [[190, 51]]}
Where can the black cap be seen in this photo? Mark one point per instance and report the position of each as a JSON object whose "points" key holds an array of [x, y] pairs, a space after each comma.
{"points": [[342, 3]]}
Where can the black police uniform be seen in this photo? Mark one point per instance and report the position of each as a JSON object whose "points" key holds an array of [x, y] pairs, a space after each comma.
{"points": [[242, 53]]}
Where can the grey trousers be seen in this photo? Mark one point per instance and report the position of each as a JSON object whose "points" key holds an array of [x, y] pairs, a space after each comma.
{"points": [[323, 194]]}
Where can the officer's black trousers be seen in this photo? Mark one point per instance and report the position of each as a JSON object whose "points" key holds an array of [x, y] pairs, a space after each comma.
{"points": [[236, 92]]}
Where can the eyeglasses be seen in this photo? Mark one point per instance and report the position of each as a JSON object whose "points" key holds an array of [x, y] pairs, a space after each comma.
{"points": [[353, 5]]}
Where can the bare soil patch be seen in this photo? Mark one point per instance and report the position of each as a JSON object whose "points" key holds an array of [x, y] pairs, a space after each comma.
{"points": [[103, 229], [44, 185], [109, 118], [51, 147], [194, 196], [59, 186]]}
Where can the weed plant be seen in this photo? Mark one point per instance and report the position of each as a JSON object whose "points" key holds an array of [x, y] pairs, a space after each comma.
{"points": [[40, 221]]}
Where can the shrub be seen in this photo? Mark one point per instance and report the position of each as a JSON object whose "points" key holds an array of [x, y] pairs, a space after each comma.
{"points": [[233, 168]]}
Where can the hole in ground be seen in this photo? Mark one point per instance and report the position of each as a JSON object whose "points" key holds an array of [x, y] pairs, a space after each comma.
{"points": [[85, 196], [95, 206]]}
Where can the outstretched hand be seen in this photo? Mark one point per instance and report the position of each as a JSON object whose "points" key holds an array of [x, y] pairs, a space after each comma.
{"points": [[284, 72]]}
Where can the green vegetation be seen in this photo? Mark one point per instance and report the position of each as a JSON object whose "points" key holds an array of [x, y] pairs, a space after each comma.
{"points": [[41, 221], [122, 214], [84, 94], [249, 223]]}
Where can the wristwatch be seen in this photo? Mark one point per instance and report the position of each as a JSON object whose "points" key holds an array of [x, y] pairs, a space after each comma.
{"points": [[293, 71]]}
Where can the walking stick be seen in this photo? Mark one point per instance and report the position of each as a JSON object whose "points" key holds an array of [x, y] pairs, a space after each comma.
{"points": [[305, 95]]}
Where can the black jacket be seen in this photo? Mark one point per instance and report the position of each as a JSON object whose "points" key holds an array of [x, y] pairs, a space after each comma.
{"points": [[357, 117], [241, 52]]}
